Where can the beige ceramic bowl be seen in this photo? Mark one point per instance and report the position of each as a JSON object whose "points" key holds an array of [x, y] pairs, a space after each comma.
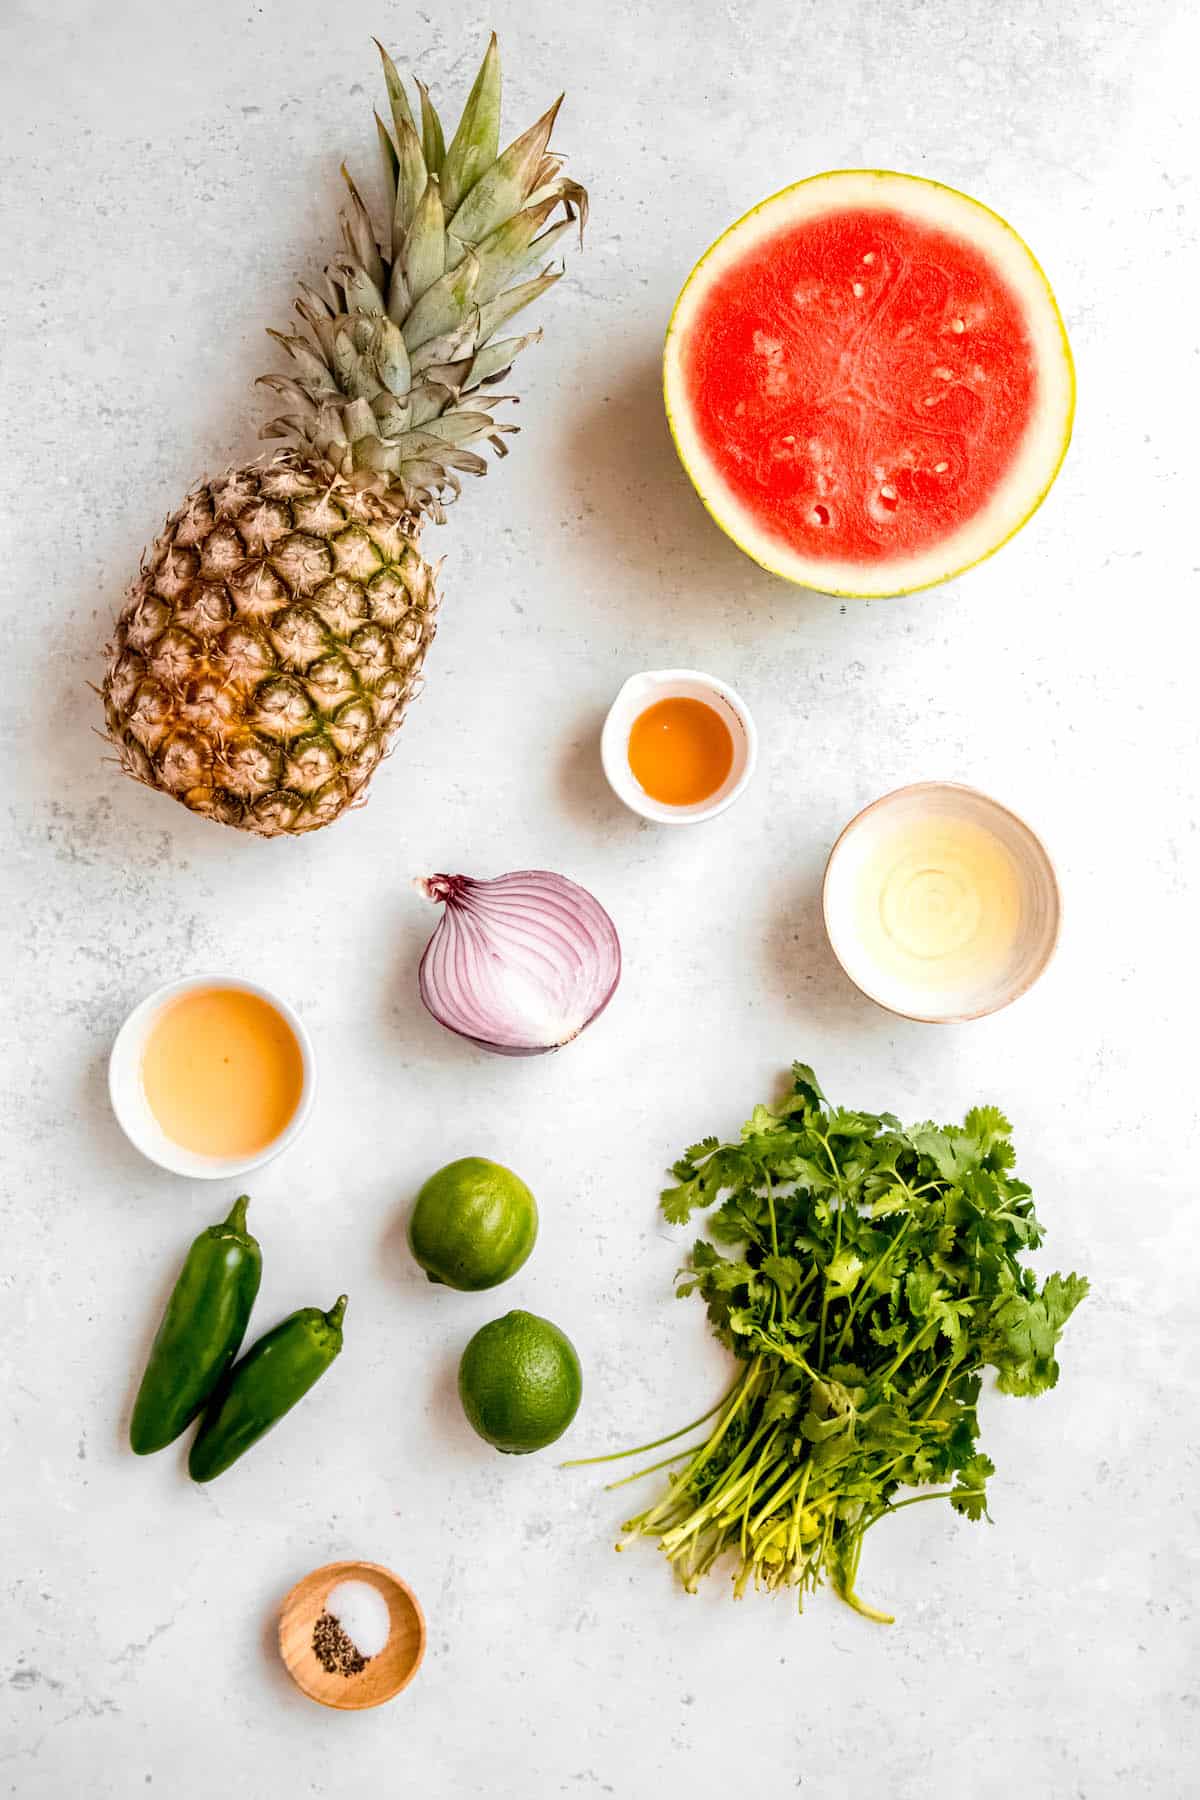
{"points": [[1040, 904]]}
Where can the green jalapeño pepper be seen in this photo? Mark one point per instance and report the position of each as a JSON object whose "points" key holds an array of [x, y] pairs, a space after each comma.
{"points": [[274, 1373], [200, 1333]]}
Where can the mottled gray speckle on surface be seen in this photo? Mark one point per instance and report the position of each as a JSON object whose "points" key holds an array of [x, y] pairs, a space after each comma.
{"points": [[169, 172]]}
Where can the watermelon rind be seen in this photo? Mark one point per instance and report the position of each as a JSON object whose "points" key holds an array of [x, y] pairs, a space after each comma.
{"points": [[1044, 443]]}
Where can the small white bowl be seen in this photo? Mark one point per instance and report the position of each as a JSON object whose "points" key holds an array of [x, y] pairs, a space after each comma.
{"points": [[133, 1112], [1039, 915], [642, 691]]}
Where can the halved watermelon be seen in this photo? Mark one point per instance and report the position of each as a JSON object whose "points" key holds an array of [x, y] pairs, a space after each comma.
{"points": [[869, 382]]}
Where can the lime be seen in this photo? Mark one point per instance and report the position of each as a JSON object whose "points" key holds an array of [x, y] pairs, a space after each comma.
{"points": [[520, 1383], [474, 1224]]}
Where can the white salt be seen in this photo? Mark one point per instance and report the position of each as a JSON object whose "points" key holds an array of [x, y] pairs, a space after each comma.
{"points": [[362, 1612]]}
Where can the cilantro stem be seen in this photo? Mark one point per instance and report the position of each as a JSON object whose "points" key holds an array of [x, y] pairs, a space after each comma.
{"points": [[845, 1586], [766, 1451], [833, 1163], [852, 1556], [778, 1298], [651, 1469], [793, 1541], [916, 1500], [784, 1352], [845, 1578], [673, 1497], [912, 1344], [771, 1210], [868, 1612], [730, 1485], [941, 1388], [837, 1240], [813, 1272], [584, 1462], [794, 1478]]}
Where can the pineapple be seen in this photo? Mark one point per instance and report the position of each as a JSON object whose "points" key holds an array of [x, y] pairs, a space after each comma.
{"points": [[276, 633]]}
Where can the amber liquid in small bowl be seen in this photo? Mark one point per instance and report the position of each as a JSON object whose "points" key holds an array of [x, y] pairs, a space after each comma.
{"points": [[680, 751], [222, 1072]]}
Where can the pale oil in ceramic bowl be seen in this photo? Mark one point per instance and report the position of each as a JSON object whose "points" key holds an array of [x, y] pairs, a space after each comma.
{"points": [[941, 904]]}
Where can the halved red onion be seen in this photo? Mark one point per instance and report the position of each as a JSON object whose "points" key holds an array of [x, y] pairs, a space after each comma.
{"points": [[521, 964]]}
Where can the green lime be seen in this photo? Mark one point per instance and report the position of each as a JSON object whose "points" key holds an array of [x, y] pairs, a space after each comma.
{"points": [[474, 1224], [520, 1383]]}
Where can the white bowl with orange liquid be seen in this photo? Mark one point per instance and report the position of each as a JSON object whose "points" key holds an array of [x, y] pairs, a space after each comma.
{"points": [[678, 746], [212, 1076]]}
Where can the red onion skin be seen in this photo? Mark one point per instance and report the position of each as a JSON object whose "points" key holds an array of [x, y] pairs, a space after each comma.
{"points": [[449, 890]]}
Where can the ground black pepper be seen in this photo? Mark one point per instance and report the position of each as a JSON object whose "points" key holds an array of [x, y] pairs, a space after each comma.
{"points": [[334, 1650]]}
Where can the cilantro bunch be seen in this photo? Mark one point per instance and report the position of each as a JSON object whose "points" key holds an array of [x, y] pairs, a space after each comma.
{"points": [[864, 1275]]}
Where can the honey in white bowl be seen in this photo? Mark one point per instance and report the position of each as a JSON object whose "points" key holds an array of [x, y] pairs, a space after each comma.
{"points": [[680, 750], [222, 1072]]}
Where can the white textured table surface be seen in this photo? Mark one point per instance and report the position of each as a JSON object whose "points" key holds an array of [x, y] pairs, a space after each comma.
{"points": [[167, 173]]}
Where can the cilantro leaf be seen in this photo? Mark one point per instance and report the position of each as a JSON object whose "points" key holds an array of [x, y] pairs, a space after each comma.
{"points": [[842, 1273], [1026, 1332], [678, 1203], [969, 1494]]}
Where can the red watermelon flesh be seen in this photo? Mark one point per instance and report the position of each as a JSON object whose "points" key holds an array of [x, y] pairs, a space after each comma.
{"points": [[863, 380]]}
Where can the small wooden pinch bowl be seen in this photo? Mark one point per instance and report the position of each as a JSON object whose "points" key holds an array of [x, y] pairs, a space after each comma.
{"points": [[385, 1675]]}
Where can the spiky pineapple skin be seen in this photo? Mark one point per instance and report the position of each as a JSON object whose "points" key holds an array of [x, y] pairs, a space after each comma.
{"points": [[268, 649]]}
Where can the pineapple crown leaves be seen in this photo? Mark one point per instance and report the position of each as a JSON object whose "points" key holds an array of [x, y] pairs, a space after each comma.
{"points": [[391, 380]]}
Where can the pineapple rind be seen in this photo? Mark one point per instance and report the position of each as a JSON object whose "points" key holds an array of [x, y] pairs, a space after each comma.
{"points": [[270, 646]]}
